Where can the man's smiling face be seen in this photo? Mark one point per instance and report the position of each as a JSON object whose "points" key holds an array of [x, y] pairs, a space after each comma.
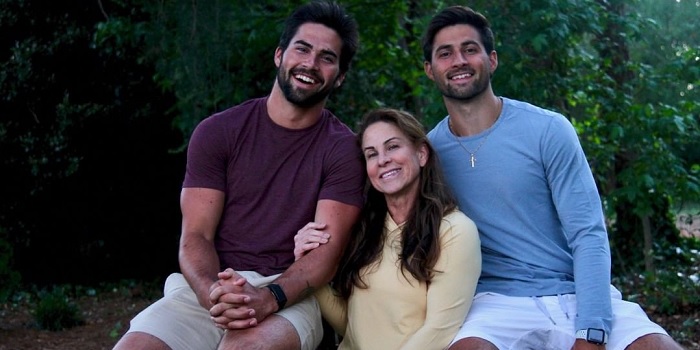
{"points": [[309, 69]]}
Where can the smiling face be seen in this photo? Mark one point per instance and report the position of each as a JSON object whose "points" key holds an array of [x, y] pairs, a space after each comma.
{"points": [[393, 162], [460, 67], [309, 69]]}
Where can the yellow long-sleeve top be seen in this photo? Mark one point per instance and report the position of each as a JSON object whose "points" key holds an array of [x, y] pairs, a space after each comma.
{"points": [[398, 312]]}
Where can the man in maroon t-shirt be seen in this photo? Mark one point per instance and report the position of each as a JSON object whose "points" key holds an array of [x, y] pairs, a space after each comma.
{"points": [[256, 173]]}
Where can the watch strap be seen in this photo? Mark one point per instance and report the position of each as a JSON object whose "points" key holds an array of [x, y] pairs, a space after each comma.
{"points": [[584, 334], [279, 295]]}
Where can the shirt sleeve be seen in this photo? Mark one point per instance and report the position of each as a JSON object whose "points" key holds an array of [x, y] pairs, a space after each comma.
{"points": [[452, 288], [207, 156], [580, 211], [333, 308], [345, 176]]}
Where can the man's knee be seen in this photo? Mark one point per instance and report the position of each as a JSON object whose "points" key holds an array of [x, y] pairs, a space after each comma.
{"points": [[275, 332], [140, 340], [473, 343], [654, 341]]}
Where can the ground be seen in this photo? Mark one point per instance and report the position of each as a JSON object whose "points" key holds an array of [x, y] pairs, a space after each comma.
{"points": [[107, 316]]}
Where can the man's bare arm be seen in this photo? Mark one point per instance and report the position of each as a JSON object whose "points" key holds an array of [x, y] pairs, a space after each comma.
{"points": [[199, 262], [317, 267]]}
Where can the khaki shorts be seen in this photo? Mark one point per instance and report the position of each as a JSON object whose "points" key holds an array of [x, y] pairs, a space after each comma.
{"points": [[179, 320], [520, 323]]}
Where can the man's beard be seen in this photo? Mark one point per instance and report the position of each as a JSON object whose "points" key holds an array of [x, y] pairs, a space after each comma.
{"points": [[464, 93], [301, 98]]}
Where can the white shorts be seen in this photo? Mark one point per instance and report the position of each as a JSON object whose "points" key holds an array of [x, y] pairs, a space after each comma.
{"points": [[519, 323], [179, 320]]}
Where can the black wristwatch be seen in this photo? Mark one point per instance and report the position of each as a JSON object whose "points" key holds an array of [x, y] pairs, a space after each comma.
{"points": [[279, 295], [593, 335]]}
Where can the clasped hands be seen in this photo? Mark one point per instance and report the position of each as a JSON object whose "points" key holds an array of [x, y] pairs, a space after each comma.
{"points": [[237, 303], [240, 305]]}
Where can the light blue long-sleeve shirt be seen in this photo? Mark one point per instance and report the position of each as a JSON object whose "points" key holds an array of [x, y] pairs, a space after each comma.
{"points": [[532, 196]]}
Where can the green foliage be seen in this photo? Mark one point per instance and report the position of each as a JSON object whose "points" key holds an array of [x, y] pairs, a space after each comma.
{"points": [[212, 57], [116, 331], [55, 312], [78, 85], [675, 286], [54, 309], [546, 54], [388, 69], [215, 55], [9, 277], [34, 138], [687, 332]]}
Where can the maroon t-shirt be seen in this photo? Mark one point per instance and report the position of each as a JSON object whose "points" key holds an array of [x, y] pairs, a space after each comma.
{"points": [[272, 178]]}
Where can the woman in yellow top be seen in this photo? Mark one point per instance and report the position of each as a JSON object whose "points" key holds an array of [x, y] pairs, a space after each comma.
{"points": [[409, 272]]}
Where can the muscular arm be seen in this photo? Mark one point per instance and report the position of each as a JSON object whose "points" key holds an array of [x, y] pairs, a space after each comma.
{"points": [[199, 262], [317, 267]]}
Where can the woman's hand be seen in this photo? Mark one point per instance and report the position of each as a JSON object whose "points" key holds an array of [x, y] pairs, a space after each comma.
{"points": [[309, 238]]}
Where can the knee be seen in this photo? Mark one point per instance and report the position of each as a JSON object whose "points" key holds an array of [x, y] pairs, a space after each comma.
{"points": [[246, 344], [139, 340], [654, 341], [243, 343], [247, 340], [473, 343]]}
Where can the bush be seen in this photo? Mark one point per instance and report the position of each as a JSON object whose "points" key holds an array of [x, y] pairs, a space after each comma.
{"points": [[55, 312], [674, 286], [9, 277]]}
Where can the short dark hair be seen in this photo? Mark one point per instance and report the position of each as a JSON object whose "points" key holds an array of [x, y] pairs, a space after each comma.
{"points": [[454, 15], [330, 15]]}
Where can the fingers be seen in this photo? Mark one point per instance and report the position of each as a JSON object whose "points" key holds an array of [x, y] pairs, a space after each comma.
{"points": [[300, 250], [237, 324], [313, 226], [231, 274], [235, 293], [233, 298], [229, 316], [309, 238], [226, 274], [229, 282], [230, 296], [312, 229], [231, 311]]}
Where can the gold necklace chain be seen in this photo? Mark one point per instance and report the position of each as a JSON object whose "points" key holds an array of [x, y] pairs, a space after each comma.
{"points": [[472, 155]]}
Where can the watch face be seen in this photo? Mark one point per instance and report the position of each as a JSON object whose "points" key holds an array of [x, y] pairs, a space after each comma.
{"points": [[596, 335]]}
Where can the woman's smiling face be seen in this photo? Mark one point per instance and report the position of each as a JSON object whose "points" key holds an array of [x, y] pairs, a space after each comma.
{"points": [[393, 162]]}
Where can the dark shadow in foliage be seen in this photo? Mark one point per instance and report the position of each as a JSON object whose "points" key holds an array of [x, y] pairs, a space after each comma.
{"points": [[9, 277], [85, 139]]}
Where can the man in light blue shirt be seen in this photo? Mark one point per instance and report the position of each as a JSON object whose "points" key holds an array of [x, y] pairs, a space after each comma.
{"points": [[520, 173]]}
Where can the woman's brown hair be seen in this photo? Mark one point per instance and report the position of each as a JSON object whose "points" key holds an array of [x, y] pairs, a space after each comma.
{"points": [[420, 241]]}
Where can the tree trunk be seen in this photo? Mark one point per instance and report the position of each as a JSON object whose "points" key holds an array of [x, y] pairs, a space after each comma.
{"points": [[648, 246]]}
